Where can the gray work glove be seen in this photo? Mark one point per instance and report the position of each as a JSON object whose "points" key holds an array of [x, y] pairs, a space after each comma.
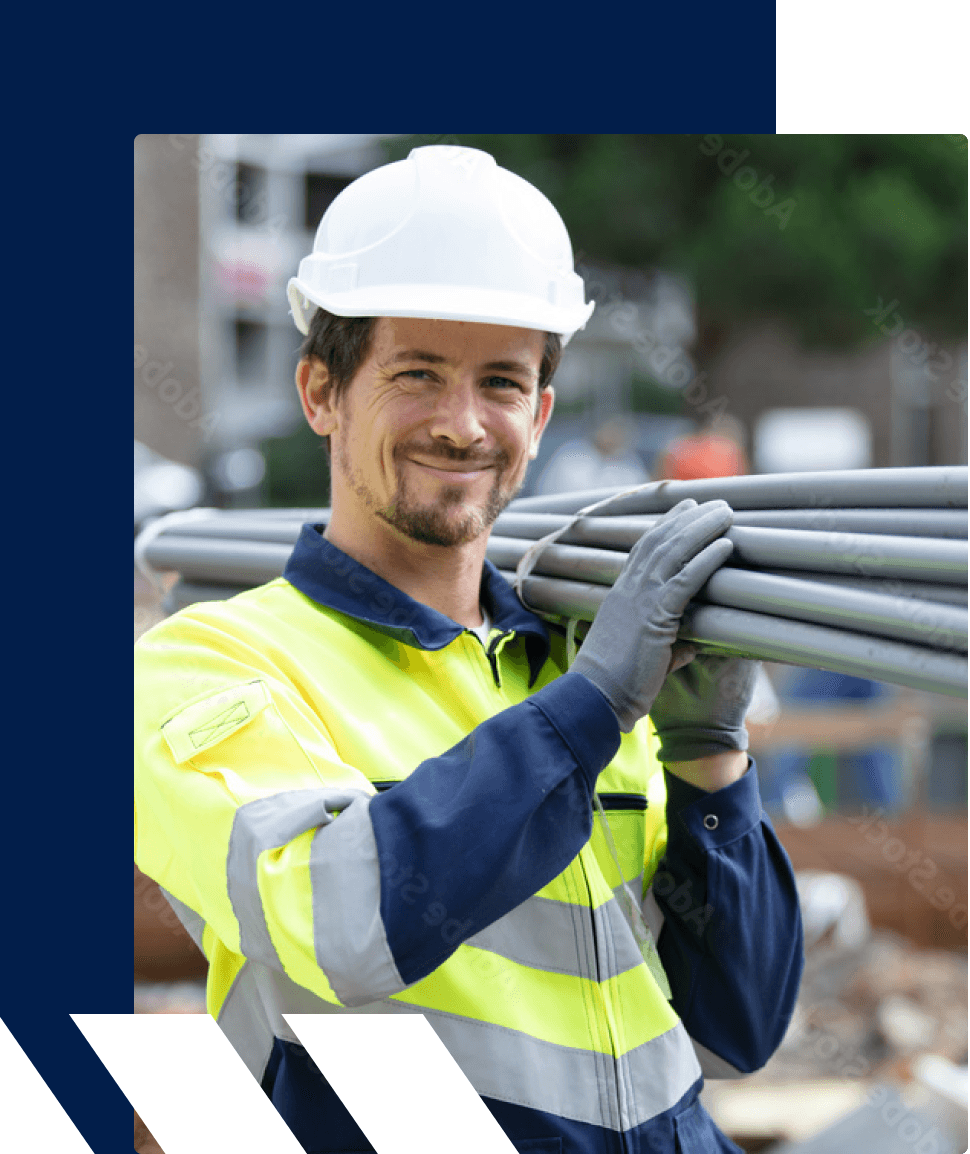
{"points": [[629, 647], [700, 709]]}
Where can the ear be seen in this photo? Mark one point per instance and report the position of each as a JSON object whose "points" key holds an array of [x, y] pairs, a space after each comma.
{"points": [[316, 396], [547, 399]]}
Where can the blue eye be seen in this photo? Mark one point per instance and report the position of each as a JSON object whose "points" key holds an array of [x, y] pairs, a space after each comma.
{"points": [[501, 383]]}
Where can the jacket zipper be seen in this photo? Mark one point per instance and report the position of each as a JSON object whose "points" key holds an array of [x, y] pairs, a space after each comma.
{"points": [[600, 1003], [492, 655]]}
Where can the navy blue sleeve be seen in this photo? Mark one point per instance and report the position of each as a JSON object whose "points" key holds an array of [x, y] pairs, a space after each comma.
{"points": [[732, 942], [470, 835]]}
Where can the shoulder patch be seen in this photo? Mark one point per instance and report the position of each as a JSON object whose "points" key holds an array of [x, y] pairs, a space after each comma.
{"points": [[205, 723]]}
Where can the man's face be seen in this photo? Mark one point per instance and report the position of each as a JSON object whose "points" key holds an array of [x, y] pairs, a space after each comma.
{"points": [[434, 433]]}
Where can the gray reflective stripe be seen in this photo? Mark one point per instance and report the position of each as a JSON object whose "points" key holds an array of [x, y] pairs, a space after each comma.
{"points": [[252, 1014], [500, 1063], [660, 1073], [267, 824], [577, 1084], [619, 951], [615, 936], [560, 938], [713, 1065], [193, 924], [348, 932], [653, 915], [243, 1018]]}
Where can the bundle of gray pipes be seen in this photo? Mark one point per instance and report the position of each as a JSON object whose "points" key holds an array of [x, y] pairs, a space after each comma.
{"points": [[854, 571]]}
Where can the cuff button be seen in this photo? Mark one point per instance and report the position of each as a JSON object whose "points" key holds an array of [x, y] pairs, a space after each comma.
{"points": [[710, 821]]}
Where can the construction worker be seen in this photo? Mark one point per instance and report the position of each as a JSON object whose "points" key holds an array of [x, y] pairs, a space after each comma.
{"points": [[372, 785], [717, 450]]}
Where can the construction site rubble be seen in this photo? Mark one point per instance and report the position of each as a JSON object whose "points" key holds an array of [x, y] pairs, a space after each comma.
{"points": [[875, 1057], [870, 1000]]}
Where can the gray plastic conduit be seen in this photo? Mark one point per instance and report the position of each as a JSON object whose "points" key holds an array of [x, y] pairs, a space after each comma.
{"points": [[890, 606], [942, 486], [284, 524], [857, 554], [901, 618], [818, 646], [936, 560], [766, 638], [921, 590], [621, 532], [907, 619], [220, 561]]}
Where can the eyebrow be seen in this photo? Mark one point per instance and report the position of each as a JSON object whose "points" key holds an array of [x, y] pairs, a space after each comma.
{"points": [[417, 355], [511, 367], [437, 359]]}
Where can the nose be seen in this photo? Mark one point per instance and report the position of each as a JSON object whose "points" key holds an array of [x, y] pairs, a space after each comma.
{"points": [[458, 417]]}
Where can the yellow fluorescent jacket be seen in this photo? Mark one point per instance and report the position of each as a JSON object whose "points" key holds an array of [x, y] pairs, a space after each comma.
{"points": [[355, 806]]}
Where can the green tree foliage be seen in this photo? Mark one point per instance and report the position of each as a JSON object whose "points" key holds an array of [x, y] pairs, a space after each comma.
{"points": [[812, 229]]}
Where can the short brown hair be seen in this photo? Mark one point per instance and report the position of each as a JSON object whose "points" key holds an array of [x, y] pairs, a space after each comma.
{"points": [[342, 344]]}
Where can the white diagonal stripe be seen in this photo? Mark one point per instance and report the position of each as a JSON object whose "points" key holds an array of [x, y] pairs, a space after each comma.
{"points": [[425, 1100], [189, 1086], [31, 1118]]}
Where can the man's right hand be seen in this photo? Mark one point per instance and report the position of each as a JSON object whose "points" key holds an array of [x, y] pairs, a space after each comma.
{"points": [[630, 645]]}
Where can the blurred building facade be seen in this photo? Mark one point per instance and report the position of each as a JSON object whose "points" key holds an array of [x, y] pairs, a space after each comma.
{"points": [[221, 223], [261, 199], [166, 283]]}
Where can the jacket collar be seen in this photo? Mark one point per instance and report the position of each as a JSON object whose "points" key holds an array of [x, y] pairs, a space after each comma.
{"points": [[330, 577]]}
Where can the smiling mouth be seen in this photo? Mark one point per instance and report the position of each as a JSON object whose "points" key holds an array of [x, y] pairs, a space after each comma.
{"points": [[454, 468]]}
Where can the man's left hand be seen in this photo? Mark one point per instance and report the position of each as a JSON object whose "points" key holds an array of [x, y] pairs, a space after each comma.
{"points": [[699, 717]]}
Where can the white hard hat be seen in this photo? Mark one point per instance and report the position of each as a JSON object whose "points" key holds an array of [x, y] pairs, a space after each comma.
{"points": [[448, 234]]}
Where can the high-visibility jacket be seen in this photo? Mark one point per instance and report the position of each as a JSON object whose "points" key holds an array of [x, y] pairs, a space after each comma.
{"points": [[355, 805]]}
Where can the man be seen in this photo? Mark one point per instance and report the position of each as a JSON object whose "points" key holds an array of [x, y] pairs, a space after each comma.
{"points": [[370, 785]]}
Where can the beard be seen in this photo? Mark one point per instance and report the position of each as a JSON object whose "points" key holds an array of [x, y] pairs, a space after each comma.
{"points": [[450, 519]]}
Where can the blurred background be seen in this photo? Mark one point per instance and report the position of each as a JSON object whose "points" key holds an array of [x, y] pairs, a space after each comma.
{"points": [[764, 304]]}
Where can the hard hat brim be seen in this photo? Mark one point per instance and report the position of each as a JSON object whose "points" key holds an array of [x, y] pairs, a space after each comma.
{"points": [[440, 302]]}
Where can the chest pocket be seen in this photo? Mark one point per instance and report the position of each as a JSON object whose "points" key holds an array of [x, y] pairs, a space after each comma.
{"points": [[209, 722], [626, 816]]}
